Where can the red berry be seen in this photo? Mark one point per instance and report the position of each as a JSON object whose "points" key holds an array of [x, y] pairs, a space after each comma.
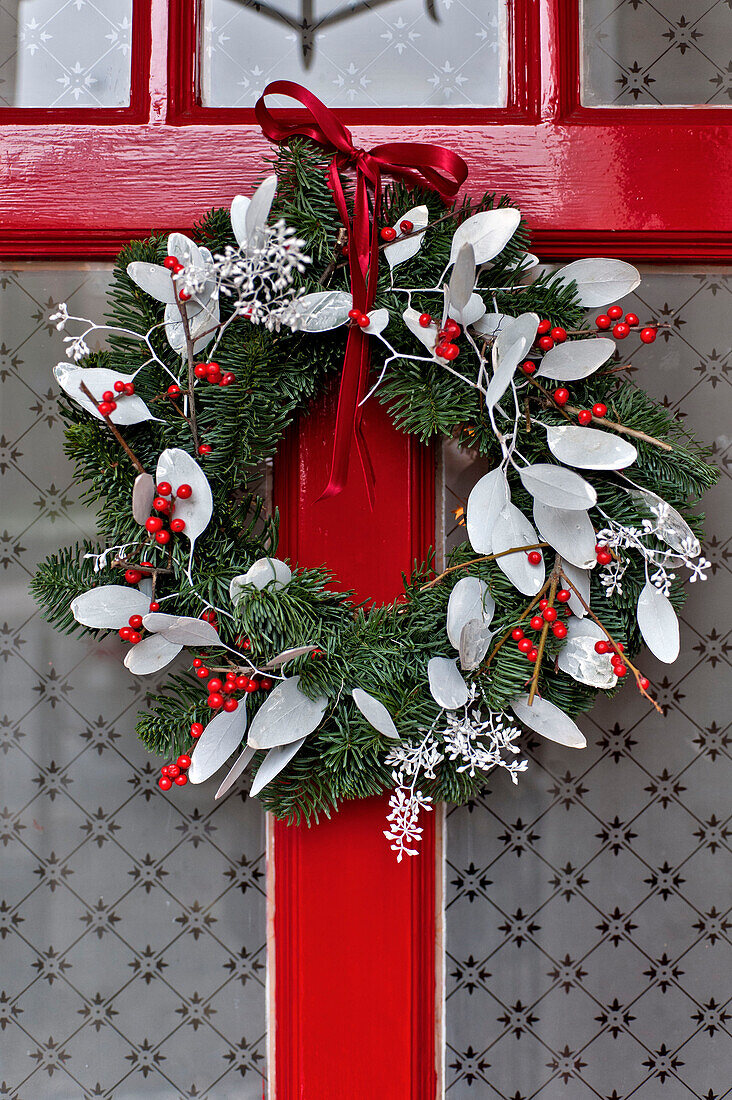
{"points": [[196, 729], [197, 662], [644, 683], [184, 295], [621, 330], [215, 700], [561, 396], [620, 647], [563, 595], [534, 557], [621, 671], [133, 576], [406, 226], [241, 682], [363, 320], [178, 267], [134, 637], [452, 328], [354, 314], [524, 645], [517, 634], [177, 525], [614, 313], [602, 647], [550, 614], [164, 769], [253, 685], [604, 557], [244, 644], [200, 370], [153, 524], [584, 416], [544, 326], [154, 605], [227, 379], [648, 335], [214, 684], [440, 351], [388, 233], [180, 780], [603, 321], [162, 537], [212, 369], [183, 491], [546, 343], [543, 604], [165, 489], [119, 386], [129, 389], [174, 391], [528, 367], [135, 621], [532, 654], [170, 262], [202, 673], [108, 396], [173, 770], [450, 351], [559, 630], [266, 684], [205, 449], [599, 409], [425, 320], [631, 319], [209, 616], [558, 335], [160, 504], [537, 622], [105, 408], [125, 633], [230, 705], [164, 783]]}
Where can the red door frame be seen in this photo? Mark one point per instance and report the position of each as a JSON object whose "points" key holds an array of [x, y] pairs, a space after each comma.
{"points": [[355, 937]]}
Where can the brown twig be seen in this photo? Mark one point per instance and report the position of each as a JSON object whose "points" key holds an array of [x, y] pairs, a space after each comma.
{"points": [[504, 637], [553, 581], [114, 430], [608, 635], [337, 261], [487, 557]]}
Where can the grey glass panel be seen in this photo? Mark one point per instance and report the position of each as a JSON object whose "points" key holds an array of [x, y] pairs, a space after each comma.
{"points": [[358, 53], [65, 53], [656, 52], [588, 909], [132, 923]]}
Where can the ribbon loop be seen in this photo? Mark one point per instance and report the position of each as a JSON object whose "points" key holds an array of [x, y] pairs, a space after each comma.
{"points": [[432, 167]]}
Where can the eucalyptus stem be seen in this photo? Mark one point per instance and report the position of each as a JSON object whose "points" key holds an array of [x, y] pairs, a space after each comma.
{"points": [[114, 430], [486, 557]]}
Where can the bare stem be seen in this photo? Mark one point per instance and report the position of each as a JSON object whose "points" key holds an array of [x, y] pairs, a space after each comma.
{"points": [[487, 557], [114, 430]]}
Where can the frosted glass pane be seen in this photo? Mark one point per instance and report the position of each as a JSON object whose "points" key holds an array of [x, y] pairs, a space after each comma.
{"points": [[359, 53], [132, 923], [588, 947], [65, 53], [641, 53]]}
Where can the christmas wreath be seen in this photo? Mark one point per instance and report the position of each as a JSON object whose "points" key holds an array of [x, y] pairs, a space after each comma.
{"points": [[575, 538]]}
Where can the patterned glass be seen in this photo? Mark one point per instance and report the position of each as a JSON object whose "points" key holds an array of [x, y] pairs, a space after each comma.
{"points": [[641, 53], [132, 923], [357, 53], [588, 920], [65, 53]]}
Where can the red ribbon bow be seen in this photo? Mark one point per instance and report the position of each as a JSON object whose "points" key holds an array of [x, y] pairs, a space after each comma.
{"points": [[429, 166]]}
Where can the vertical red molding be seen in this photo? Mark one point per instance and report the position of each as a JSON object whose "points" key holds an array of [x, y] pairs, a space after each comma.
{"points": [[354, 931]]}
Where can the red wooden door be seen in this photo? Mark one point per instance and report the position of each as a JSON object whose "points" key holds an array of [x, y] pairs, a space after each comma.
{"points": [[355, 934]]}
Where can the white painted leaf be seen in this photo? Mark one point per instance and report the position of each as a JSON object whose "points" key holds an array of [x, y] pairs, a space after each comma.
{"points": [[426, 336], [109, 606], [513, 529], [375, 713], [130, 410], [274, 762], [187, 251], [146, 587], [489, 233], [221, 737], [575, 359], [143, 495], [578, 657], [263, 572], [323, 310], [286, 715], [490, 323], [203, 317], [510, 348], [379, 319], [258, 210], [671, 526], [239, 208], [558, 487], [182, 629], [526, 262], [154, 279], [589, 448], [462, 279], [236, 770], [447, 687], [580, 578], [150, 655], [487, 497], [469, 599], [289, 655], [570, 533], [471, 313], [549, 721], [178, 468], [600, 280], [401, 250], [475, 637], [658, 624]]}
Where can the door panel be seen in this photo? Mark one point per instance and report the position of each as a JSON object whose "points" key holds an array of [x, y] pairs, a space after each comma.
{"points": [[587, 941]]}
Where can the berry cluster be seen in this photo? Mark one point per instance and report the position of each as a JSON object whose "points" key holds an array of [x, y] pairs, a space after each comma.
{"points": [[109, 399], [547, 337], [209, 372], [175, 267], [584, 416], [622, 329], [445, 348], [389, 233], [174, 773], [548, 614], [361, 319], [221, 693], [155, 525]]}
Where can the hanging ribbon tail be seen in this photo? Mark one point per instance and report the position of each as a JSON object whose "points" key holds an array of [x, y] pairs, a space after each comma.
{"points": [[347, 426]]}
